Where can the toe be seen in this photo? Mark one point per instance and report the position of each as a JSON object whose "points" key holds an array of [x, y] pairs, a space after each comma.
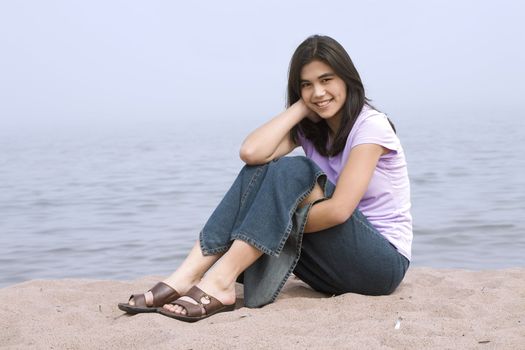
{"points": [[180, 310]]}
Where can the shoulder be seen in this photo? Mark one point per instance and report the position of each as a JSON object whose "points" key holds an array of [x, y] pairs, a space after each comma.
{"points": [[369, 117], [373, 126]]}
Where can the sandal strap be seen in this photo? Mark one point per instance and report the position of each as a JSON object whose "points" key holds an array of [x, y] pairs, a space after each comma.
{"points": [[207, 302], [139, 299], [192, 310], [161, 294]]}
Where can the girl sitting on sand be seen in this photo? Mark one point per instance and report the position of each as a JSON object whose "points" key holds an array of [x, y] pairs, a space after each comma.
{"points": [[350, 195]]}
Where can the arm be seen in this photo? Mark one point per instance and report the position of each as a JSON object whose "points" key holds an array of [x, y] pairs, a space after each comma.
{"points": [[272, 140], [349, 190]]}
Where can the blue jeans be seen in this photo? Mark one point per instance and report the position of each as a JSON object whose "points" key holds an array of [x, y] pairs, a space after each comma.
{"points": [[262, 209]]}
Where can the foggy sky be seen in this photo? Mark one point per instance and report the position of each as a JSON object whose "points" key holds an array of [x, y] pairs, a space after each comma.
{"points": [[123, 61]]}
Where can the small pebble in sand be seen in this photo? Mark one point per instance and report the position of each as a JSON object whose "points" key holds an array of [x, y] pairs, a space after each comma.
{"points": [[398, 323]]}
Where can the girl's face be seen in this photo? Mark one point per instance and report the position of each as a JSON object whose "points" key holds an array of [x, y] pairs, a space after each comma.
{"points": [[323, 91]]}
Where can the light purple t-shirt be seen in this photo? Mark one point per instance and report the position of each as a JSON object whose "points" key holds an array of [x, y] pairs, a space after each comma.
{"points": [[386, 202]]}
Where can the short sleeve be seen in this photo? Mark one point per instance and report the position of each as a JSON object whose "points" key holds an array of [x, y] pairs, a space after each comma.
{"points": [[377, 130]]}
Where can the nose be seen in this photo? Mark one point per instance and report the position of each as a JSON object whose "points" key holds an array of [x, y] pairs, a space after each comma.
{"points": [[318, 90]]}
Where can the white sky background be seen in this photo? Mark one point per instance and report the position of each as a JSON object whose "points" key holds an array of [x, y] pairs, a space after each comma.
{"points": [[128, 61]]}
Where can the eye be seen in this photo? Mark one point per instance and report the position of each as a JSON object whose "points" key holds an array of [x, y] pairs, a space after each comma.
{"points": [[326, 80], [305, 85]]}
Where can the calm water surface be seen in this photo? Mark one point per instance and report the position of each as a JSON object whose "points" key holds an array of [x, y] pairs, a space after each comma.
{"points": [[120, 202]]}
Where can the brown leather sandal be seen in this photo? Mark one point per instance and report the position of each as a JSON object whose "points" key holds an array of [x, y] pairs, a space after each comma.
{"points": [[205, 307], [150, 301]]}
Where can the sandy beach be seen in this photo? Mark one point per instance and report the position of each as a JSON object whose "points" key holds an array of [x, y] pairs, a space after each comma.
{"points": [[432, 309]]}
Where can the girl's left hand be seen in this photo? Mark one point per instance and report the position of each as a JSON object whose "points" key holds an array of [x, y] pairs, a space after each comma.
{"points": [[314, 117], [309, 113]]}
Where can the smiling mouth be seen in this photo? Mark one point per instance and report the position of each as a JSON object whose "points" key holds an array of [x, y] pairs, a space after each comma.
{"points": [[323, 104]]}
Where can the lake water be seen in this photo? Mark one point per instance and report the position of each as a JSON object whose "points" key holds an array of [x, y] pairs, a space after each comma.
{"points": [[120, 202]]}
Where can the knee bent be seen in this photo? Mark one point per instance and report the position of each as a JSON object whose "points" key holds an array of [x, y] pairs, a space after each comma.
{"points": [[296, 163]]}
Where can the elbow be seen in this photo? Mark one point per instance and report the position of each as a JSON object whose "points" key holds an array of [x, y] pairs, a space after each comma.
{"points": [[249, 156], [342, 209], [341, 215]]}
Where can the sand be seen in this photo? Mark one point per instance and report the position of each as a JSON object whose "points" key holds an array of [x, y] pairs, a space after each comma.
{"points": [[432, 309]]}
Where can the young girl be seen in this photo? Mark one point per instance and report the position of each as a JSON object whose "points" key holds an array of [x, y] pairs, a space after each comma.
{"points": [[350, 196]]}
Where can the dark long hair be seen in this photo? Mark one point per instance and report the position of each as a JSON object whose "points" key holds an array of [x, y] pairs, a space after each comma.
{"points": [[329, 51]]}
